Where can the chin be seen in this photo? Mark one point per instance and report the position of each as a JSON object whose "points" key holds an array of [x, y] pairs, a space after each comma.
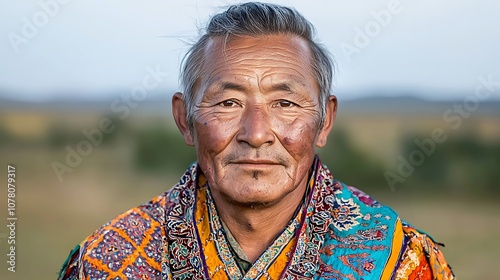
{"points": [[257, 200], [253, 203]]}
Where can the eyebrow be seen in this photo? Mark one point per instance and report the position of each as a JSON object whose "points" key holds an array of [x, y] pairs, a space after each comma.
{"points": [[229, 86], [288, 86], [216, 88]]}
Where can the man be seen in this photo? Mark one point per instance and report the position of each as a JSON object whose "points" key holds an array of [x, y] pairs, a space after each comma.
{"points": [[258, 204]]}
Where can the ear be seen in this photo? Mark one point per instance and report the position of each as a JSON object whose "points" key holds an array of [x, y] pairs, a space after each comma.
{"points": [[331, 113], [180, 116]]}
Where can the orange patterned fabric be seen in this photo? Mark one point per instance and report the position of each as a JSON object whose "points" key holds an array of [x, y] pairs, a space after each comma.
{"points": [[422, 258], [128, 247], [217, 250]]}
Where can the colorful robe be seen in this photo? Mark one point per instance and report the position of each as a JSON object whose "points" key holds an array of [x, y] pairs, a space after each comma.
{"points": [[338, 232]]}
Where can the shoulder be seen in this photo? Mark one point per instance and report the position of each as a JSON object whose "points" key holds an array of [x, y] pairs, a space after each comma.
{"points": [[422, 257], [130, 243]]}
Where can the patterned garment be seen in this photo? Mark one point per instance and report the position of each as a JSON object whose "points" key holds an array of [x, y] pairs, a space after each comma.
{"points": [[338, 233]]}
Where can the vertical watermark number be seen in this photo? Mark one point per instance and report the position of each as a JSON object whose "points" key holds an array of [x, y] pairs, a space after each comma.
{"points": [[11, 217]]}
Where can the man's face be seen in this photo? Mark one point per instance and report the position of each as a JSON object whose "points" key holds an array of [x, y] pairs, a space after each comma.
{"points": [[256, 118]]}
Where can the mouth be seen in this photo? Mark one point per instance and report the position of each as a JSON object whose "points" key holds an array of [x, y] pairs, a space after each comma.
{"points": [[246, 161], [255, 164]]}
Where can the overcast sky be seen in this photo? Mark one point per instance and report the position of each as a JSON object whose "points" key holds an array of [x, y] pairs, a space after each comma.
{"points": [[96, 46]]}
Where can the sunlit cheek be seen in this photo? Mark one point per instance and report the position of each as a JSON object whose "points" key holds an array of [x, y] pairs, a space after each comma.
{"points": [[213, 136], [298, 137]]}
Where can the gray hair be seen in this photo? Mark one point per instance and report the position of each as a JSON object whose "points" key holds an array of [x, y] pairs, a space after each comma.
{"points": [[255, 19]]}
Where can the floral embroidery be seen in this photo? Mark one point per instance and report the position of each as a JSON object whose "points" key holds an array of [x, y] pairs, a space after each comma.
{"points": [[345, 214], [359, 263]]}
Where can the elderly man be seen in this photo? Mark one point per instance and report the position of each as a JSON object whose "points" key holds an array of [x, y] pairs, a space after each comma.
{"points": [[258, 204]]}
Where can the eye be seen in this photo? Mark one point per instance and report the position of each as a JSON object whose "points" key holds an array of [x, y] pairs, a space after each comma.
{"points": [[284, 104], [228, 103]]}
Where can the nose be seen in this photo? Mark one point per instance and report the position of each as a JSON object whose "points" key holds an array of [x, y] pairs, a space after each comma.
{"points": [[255, 128]]}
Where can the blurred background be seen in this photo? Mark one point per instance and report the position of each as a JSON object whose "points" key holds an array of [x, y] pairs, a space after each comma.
{"points": [[85, 89]]}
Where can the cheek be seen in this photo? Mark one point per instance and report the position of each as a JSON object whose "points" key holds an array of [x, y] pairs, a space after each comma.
{"points": [[298, 138], [212, 136]]}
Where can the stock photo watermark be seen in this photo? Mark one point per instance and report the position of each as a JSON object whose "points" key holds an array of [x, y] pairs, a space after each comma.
{"points": [[121, 106], [454, 117], [31, 26], [11, 218], [364, 36]]}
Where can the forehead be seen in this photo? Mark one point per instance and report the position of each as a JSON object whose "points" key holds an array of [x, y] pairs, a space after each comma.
{"points": [[289, 42], [277, 54]]}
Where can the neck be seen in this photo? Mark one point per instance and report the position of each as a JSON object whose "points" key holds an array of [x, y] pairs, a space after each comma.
{"points": [[255, 228]]}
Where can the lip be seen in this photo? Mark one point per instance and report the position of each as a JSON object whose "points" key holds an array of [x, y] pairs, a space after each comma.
{"points": [[255, 165], [255, 162]]}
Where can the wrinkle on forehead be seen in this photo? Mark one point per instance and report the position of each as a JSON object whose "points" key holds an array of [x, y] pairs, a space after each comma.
{"points": [[290, 46], [241, 53]]}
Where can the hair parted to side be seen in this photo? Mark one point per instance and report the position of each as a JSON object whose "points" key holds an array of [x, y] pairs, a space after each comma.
{"points": [[254, 19]]}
